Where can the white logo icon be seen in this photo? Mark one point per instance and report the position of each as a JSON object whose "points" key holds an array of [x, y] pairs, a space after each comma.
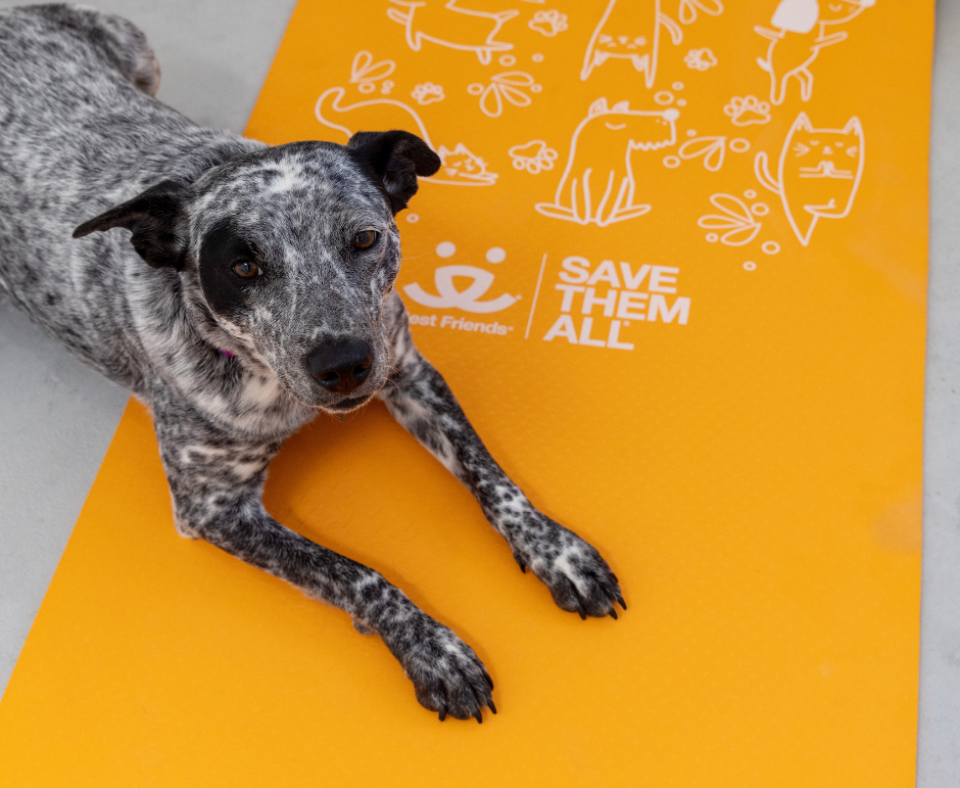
{"points": [[467, 300]]}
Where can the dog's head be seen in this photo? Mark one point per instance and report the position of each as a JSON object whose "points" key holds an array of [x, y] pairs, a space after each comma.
{"points": [[292, 251]]}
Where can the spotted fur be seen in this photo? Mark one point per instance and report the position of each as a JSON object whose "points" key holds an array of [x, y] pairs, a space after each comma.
{"points": [[227, 364]]}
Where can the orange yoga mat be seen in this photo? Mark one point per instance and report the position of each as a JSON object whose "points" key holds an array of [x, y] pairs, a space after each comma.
{"points": [[674, 266]]}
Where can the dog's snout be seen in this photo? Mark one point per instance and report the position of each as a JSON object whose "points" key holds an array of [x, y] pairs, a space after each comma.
{"points": [[340, 365]]}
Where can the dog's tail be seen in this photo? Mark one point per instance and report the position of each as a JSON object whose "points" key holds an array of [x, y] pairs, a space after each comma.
{"points": [[118, 41]]}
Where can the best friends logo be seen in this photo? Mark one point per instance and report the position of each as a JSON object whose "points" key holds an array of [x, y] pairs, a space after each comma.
{"points": [[468, 299]]}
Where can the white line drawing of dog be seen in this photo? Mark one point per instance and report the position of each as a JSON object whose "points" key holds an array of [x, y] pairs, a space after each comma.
{"points": [[598, 184], [630, 30], [800, 34], [818, 174], [459, 167], [449, 25]]}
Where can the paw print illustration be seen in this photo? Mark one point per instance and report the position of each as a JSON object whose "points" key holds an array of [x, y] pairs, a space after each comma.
{"points": [[700, 59], [549, 23], [427, 93], [746, 110], [534, 157]]}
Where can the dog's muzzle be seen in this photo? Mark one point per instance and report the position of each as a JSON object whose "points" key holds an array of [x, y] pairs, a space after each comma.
{"points": [[340, 365]]}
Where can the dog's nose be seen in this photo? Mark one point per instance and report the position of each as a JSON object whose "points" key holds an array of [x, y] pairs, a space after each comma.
{"points": [[340, 365]]}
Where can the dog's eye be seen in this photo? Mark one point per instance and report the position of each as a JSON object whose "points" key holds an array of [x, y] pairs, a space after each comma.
{"points": [[247, 269], [365, 239]]}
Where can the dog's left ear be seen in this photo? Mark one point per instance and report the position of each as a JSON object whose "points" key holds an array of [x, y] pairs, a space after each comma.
{"points": [[397, 158], [158, 220]]}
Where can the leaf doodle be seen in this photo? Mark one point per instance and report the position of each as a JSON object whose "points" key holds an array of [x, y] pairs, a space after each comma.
{"points": [[713, 150], [736, 221], [509, 85], [688, 9], [363, 69]]}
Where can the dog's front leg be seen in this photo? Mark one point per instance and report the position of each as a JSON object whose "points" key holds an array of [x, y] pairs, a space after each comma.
{"points": [[419, 398], [216, 483]]}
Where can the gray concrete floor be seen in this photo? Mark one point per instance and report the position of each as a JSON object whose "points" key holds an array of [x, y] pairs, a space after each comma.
{"points": [[58, 417]]}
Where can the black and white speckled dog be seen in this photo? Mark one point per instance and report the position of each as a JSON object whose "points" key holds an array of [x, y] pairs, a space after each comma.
{"points": [[257, 292]]}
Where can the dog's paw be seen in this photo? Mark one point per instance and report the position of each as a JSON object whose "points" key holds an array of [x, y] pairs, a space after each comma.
{"points": [[576, 574], [447, 675]]}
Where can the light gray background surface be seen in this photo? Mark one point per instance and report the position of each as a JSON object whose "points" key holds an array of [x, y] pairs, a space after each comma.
{"points": [[57, 417]]}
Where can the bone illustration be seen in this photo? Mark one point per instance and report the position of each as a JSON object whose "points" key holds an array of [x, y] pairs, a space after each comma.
{"points": [[818, 174], [459, 166], [598, 184], [449, 25], [630, 30], [800, 31]]}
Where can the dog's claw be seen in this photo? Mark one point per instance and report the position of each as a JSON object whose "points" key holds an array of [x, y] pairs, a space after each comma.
{"points": [[521, 562], [613, 613], [492, 707], [454, 685], [579, 580], [622, 603]]}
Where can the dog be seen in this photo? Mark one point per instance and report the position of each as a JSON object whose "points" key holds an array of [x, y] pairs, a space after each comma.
{"points": [[252, 288], [598, 184]]}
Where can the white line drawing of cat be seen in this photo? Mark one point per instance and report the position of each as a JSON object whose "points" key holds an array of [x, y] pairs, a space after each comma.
{"points": [[818, 174], [630, 29], [799, 35], [449, 25], [598, 184], [459, 167]]}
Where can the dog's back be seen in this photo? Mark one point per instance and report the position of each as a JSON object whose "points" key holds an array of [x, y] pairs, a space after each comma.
{"points": [[79, 133]]}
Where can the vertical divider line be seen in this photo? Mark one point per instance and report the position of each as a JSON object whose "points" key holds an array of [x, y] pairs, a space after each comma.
{"points": [[536, 295]]}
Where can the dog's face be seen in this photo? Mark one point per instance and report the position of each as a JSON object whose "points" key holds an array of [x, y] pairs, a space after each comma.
{"points": [[292, 251]]}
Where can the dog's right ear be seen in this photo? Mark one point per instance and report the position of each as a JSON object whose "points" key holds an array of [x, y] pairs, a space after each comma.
{"points": [[158, 220], [397, 158]]}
